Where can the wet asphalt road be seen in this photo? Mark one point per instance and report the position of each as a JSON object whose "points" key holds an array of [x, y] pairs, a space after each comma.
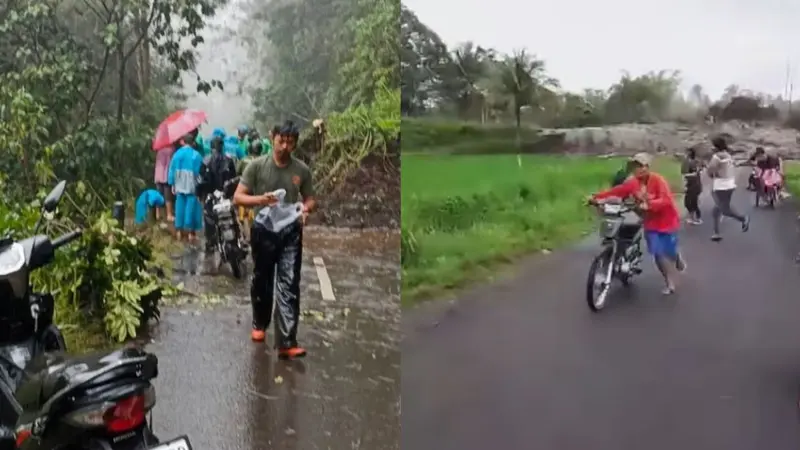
{"points": [[523, 364], [226, 392]]}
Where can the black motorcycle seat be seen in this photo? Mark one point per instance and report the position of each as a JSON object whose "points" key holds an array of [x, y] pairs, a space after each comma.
{"points": [[52, 372]]}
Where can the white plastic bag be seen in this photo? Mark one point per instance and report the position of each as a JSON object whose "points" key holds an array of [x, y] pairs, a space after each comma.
{"points": [[276, 218]]}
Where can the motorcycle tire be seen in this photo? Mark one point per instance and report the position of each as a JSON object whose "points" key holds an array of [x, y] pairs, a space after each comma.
{"points": [[601, 263], [233, 255], [773, 195]]}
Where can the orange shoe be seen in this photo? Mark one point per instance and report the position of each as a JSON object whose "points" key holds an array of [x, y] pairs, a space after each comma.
{"points": [[258, 335], [291, 352]]}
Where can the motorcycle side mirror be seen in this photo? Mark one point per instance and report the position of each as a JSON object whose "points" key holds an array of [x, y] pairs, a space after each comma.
{"points": [[54, 197]]}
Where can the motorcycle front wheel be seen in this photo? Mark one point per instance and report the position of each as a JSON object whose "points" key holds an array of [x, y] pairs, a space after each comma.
{"points": [[234, 257], [596, 287]]}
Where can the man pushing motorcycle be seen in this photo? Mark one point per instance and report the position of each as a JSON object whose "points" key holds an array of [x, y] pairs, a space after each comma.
{"points": [[661, 220]]}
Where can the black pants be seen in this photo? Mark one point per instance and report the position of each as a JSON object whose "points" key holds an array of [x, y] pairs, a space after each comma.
{"points": [[692, 202], [277, 259]]}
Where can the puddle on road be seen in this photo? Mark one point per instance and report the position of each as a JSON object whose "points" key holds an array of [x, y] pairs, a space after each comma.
{"points": [[344, 395]]}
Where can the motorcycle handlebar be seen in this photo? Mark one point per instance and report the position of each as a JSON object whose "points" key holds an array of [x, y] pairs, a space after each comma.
{"points": [[67, 238]]}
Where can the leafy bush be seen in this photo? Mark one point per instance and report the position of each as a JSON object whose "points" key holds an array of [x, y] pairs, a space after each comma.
{"points": [[360, 131], [104, 276]]}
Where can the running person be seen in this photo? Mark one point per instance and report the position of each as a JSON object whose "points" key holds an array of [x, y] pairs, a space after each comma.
{"points": [[661, 218], [693, 185], [722, 170]]}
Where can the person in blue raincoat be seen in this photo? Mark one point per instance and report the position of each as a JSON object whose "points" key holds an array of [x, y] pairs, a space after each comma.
{"points": [[233, 149], [184, 171], [217, 133], [147, 200]]}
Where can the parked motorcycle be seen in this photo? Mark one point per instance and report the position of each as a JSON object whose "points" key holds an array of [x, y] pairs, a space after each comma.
{"points": [[49, 400], [768, 187], [621, 256], [227, 231]]}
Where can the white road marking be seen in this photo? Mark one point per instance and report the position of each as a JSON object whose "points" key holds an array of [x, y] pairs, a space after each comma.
{"points": [[324, 280]]}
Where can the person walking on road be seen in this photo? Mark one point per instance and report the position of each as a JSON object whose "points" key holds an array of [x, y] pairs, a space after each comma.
{"points": [[661, 220], [693, 185], [722, 170], [277, 255]]}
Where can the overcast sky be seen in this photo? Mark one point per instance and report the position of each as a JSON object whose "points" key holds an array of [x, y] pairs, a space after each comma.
{"points": [[587, 43]]}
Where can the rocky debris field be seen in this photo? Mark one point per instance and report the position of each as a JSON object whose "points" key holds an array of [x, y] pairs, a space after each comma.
{"points": [[675, 138]]}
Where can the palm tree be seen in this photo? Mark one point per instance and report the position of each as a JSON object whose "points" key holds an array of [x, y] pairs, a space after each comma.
{"points": [[523, 78], [471, 63]]}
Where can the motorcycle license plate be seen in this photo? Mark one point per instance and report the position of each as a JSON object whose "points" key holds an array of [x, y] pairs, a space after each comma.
{"points": [[227, 235], [181, 443]]}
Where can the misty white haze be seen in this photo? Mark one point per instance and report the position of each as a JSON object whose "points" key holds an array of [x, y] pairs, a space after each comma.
{"points": [[222, 57], [587, 44]]}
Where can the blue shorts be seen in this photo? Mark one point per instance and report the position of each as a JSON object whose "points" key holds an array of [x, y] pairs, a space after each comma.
{"points": [[662, 244]]}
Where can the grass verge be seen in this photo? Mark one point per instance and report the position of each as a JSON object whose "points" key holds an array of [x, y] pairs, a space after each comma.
{"points": [[792, 173], [462, 215]]}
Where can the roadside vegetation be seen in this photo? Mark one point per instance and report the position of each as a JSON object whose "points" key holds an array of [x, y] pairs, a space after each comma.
{"points": [[792, 173], [334, 60], [83, 84]]}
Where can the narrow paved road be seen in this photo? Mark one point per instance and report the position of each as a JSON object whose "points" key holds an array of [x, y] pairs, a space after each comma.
{"points": [[523, 364], [228, 393]]}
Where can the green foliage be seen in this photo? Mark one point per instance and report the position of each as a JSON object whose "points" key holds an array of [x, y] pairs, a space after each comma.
{"points": [[105, 275], [329, 59], [430, 134], [83, 84]]}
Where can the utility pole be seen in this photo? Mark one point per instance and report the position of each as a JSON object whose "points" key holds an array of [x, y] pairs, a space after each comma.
{"points": [[788, 87]]}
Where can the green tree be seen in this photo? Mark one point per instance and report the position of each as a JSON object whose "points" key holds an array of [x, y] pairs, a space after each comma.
{"points": [[645, 97], [524, 80]]}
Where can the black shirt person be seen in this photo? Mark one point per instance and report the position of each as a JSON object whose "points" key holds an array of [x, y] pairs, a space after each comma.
{"points": [[217, 168], [691, 169], [277, 256]]}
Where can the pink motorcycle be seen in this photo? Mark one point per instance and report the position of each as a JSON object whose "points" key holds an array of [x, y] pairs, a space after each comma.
{"points": [[769, 187]]}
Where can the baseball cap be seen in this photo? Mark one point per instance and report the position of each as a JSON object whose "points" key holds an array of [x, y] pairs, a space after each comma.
{"points": [[642, 158]]}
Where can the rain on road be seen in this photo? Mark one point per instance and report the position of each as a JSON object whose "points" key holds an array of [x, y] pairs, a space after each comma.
{"points": [[226, 392]]}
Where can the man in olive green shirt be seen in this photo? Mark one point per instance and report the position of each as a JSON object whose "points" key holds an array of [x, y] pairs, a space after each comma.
{"points": [[280, 251]]}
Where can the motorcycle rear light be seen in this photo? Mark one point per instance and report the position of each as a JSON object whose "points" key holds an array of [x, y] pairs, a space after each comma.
{"points": [[22, 435], [127, 414], [116, 417]]}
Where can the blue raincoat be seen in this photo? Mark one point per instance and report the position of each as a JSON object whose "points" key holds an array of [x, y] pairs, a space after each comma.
{"points": [[184, 170], [233, 149], [149, 198], [218, 132]]}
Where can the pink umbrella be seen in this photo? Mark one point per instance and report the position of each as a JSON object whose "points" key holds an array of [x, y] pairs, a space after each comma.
{"points": [[177, 125]]}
